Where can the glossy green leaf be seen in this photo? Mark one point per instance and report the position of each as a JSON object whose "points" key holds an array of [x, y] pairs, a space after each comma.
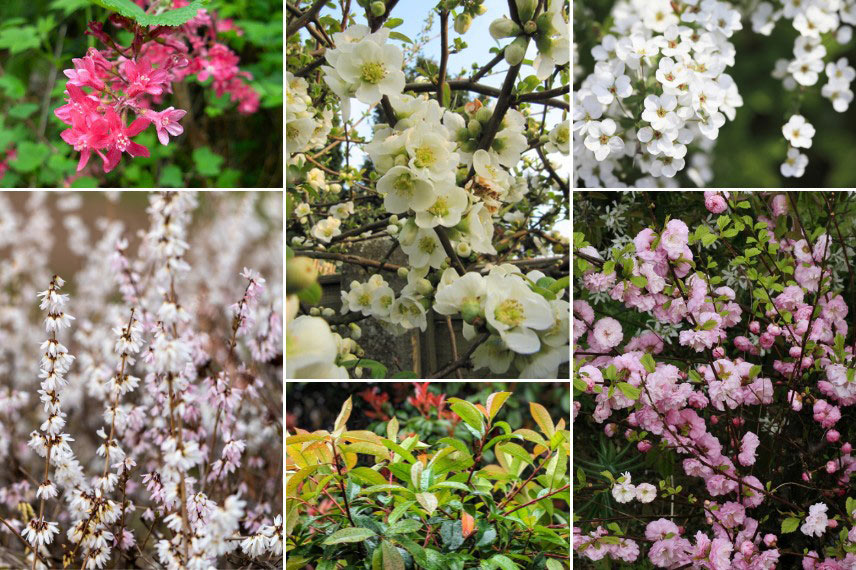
{"points": [[172, 18], [349, 535]]}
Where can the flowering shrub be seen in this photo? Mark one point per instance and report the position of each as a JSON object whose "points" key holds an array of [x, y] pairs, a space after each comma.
{"points": [[464, 188], [724, 396], [153, 416], [657, 87], [135, 81], [476, 497]]}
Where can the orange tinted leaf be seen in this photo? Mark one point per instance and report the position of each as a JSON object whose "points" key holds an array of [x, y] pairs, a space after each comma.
{"points": [[495, 402], [542, 418], [468, 524]]}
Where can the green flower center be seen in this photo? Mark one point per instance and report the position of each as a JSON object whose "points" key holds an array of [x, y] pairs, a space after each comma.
{"points": [[291, 131], [404, 184], [424, 156], [427, 245], [365, 299], [510, 312], [386, 301], [372, 72], [563, 135], [440, 207]]}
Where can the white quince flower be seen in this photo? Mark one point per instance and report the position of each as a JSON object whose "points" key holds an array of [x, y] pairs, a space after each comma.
{"points": [[316, 179], [560, 138], [646, 492], [450, 202], [515, 311], [408, 312], [403, 189], [469, 290], [371, 70], [424, 248], [310, 349], [543, 364], [325, 230], [430, 153], [298, 132], [480, 224], [302, 209], [493, 354]]}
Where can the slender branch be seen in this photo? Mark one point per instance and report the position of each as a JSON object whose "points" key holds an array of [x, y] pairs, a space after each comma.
{"points": [[540, 95], [357, 231], [471, 85], [352, 259], [488, 66], [462, 361], [444, 53], [454, 343], [450, 251], [552, 172], [24, 541], [517, 508], [302, 20]]}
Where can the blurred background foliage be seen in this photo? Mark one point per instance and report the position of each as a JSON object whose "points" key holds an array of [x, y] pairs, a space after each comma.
{"points": [[751, 148], [314, 405], [219, 148]]}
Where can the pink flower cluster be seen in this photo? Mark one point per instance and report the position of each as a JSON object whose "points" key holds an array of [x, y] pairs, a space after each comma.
{"points": [[105, 88], [703, 410], [11, 154]]}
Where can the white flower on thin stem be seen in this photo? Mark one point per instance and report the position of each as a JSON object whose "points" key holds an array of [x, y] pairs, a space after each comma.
{"points": [[798, 132], [325, 230], [602, 141], [660, 112], [408, 313], [794, 165], [470, 289], [623, 491], [40, 533], [424, 249], [403, 189]]}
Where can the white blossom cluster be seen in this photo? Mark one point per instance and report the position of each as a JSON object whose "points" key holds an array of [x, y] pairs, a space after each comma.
{"points": [[306, 127], [659, 89], [816, 21]]}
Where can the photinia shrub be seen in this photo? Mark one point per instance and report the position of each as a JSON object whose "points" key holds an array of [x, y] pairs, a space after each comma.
{"points": [[714, 371], [386, 499]]}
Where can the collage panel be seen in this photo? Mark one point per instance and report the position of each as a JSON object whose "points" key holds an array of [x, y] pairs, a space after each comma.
{"points": [[713, 379], [141, 94], [714, 94], [427, 475], [427, 189], [141, 369]]}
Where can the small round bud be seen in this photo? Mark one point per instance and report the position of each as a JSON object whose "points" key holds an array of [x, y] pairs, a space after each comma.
{"points": [[482, 10], [327, 312], [462, 23], [378, 8], [470, 310], [503, 28], [644, 446], [358, 371], [719, 352], [403, 271], [393, 219], [401, 160], [770, 539], [610, 429], [516, 50], [483, 115], [832, 523], [846, 448], [424, 286], [463, 249], [300, 273], [530, 27], [334, 188], [392, 229], [754, 327], [314, 311], [831, 467], [474, 128], [356, 331]]}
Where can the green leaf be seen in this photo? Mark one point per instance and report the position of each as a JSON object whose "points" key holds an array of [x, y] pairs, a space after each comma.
{"points": [[399, 511], [172, 18], [553, 564], [450, 485], [311, 295], [392, 559], [85, 182], [393, 23], [708, 239], [12, 86], [399, 450], [207, 162], [349, 535], [229, 178], [515, 451], [487, 538], [68, 6], [452, 534], [502, 561], [468, 412], [170, 177], [560, 284], [405, 527], [400, 36], [30, 156], [367, 475], [22, 110], [630, 391], [19, 39], [790, 524], [648, 362], [404, 375], [428, 501]]}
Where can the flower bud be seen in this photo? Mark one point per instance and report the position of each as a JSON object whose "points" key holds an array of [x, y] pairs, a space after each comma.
{"points": [[470, 310], [392, 229], [300, 273], [393, 219], [424, 286], [846, 448], [462, 23], [526, 9], [831, 523], [474, 128], [356, 331], [503, 28], [401, 160], [484, 114], [358, 371], [770, 539], [314, 311], [298, 160], [463, 249], [516, 50], [719, 352], [644, 446], [334, 188], [831, 467], [327, 312], [378, 8], [403, 271], [610, 429], [832, 436], [530, 27]]}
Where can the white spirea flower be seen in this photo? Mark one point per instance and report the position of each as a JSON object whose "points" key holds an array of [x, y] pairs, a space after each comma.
{"points": [[798, 132], [794, 165]]}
